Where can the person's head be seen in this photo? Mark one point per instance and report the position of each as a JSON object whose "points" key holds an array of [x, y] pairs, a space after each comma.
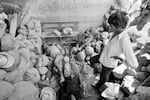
{"points": [[118, 21]]}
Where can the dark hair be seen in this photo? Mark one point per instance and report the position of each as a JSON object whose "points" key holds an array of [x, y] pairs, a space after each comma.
{"points": [[118, 19]]}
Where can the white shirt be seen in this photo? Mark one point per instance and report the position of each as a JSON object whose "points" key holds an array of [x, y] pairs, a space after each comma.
{"points": [[118, 45]]}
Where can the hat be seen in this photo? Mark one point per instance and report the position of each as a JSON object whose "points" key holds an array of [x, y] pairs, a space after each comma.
{"points": [[48, 93], [6, 60], [8, 42]]}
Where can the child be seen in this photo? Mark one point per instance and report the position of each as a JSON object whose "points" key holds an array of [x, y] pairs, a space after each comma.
{"points": [[119, 43]]}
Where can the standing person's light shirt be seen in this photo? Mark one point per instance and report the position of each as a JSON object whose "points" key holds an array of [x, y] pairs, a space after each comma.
{"points": [[118, 45]]}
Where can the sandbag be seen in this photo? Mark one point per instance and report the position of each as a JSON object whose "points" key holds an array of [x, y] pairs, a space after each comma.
{"points": [[75, 67], [89, 51], [13, 25], [48, 93], [81, 56], [30, 24], [26, 18], [58, 62], [67, 69], [2, 74], [45, 60], [54, 51], [43, 70], [25, 53], [86, 69], [32, 75], [24, 91], [23, 30], [5, 90], [98, 46], [13, 77], [8, 42]]}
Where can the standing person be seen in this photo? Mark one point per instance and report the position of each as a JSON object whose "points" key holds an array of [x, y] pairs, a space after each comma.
{"points": [[119, 44]]}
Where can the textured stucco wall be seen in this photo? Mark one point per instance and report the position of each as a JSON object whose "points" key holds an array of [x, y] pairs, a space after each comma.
{"points": [[88, 12]]}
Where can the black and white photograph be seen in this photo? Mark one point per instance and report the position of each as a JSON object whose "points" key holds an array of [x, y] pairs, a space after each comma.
{"points": [[74, 49]]}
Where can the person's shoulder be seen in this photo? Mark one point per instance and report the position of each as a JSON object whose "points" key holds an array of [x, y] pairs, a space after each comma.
{"points": [[124, 37]]}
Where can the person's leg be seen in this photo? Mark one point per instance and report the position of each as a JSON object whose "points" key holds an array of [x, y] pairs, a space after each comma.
{"points": [[104, 76]]}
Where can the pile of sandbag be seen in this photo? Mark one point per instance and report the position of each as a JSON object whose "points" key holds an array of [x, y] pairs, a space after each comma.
{"points": [[29, 34], [19, 91], [24, 91], [47, 66], [14, 64]]}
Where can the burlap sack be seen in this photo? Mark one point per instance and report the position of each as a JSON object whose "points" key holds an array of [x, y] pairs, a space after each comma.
{"points": [[8, 42], [13, 25], [43, 70], [32, 75], [48, 93], [24, 91], [53, 51], [2, 74], [5, 90], [13, 77]]}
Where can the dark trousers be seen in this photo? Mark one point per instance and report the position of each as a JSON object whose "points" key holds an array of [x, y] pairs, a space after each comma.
{"points": [[104, 77]]}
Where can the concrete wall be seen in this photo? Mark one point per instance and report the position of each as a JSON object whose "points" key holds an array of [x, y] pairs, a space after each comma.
{"points": [[88, 12]]}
